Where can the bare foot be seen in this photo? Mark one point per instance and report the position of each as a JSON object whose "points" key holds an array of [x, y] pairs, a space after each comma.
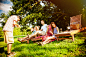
{"points": [[11, 54], [42, 43], [19, 39]]}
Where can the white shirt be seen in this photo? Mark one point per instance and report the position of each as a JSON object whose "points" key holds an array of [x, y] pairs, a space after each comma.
{"points": [[44, 27], [10, 23]]}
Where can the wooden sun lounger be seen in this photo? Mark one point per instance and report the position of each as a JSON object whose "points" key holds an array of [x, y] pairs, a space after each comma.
{"points": [[69, 33], [66, 33], [33, 39]]}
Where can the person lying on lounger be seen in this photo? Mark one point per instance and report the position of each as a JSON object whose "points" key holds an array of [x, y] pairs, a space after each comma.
{"points": [[55, 30]]}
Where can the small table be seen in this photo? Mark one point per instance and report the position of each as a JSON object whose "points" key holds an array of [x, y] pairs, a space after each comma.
{"points": [[67, 33]]}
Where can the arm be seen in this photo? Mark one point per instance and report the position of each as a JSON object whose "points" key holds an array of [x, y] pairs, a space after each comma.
{"points": [[32, 30], [15, 23], [57, 29], [51, 32], [41, 29], [38, 28], [47, 29]]}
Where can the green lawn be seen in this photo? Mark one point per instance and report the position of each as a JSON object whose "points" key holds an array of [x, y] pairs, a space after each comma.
{"points": [[64, 48]]}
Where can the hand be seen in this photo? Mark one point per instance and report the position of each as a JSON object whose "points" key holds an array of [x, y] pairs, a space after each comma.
{"points": [[46, 33], [19, 26], [51, 32], [32, 30]]}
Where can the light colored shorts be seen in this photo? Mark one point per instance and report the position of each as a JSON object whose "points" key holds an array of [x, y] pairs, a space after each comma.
{"points": [[8, 37], [41, 32]]}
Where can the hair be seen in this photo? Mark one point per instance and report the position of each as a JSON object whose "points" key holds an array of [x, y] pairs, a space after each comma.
{"points": [[37, 28], [42, 20], [19, 17], [52, 28]]}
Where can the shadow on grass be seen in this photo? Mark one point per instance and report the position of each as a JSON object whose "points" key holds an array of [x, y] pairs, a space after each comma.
{"points": [[19, 36], [16, 44], [1, 39], [19, 49], [82, 50], [1, 49], [56, 41]]}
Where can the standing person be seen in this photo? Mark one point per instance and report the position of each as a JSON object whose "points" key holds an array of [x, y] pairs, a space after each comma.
{"points": [[8, 32], [55, 30]]}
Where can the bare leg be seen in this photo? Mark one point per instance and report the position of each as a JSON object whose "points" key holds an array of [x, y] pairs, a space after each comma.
{"points": [[35, 34], [30, 36], [72, 37], [24, 37], [9, 48], [48, 39]]}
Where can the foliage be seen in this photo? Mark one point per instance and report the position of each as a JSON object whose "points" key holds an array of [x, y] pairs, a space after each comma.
{"points": [[83, 21], [16, 31], [81, 34], [32, 12], [70, 7], [3, 17], [1, 32]]}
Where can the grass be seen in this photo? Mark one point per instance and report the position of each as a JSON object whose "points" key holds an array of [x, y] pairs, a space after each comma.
{"points": [[64, 48]]}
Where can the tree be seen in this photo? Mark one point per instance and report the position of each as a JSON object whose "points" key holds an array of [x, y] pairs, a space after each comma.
{"points": [[32, 12], [4, 17], [70, 7], [1, 32], [83, 21]]}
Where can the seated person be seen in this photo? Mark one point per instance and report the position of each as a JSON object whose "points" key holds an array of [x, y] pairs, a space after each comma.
{"points": [[47, 33], [33, 30], [39, 32], [55, 30]]}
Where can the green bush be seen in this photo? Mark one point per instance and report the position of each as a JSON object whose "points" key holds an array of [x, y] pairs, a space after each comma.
{"points": [[1, 32], [16, 31], [26, 32]]}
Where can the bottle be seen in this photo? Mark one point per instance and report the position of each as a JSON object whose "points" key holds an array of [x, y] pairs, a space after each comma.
{"points": [[68, 27]]}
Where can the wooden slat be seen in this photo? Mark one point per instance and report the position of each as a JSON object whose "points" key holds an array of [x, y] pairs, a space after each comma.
{"points": [[75, 32], [64, 38], [63, 35], [36, 39]]}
